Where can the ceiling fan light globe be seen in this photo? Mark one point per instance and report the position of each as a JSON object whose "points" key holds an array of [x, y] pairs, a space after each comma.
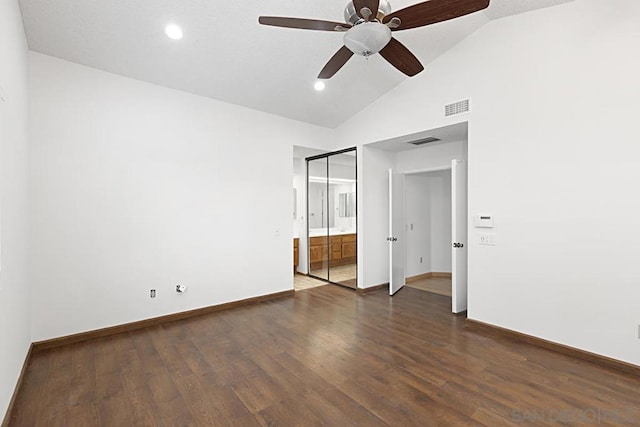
{"points": [[367, 38]]}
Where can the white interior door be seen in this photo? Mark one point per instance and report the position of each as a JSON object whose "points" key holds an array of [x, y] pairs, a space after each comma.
{"points": [[396, 232], [459, 236]]}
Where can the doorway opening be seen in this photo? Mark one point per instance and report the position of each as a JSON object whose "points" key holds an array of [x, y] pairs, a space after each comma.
{"points": [[386, 226], [428, 238], [399, 228]]}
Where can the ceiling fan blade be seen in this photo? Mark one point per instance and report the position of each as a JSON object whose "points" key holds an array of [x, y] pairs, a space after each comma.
{"points": [[432, 11], [335, 63], [301, 23], [372, 5], [400, 57]]}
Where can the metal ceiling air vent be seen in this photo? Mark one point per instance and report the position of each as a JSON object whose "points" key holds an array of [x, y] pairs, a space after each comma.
{"points": [[424, 141], [456, 108]]}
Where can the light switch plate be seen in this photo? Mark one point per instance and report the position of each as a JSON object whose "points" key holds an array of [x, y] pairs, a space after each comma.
{"points": [[483, 221], [2, 97]]}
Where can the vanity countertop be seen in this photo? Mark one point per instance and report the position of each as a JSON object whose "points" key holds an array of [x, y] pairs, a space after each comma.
{"points": [[332, 232]]}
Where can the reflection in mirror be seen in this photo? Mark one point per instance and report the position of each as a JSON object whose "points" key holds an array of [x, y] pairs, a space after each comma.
{"points": [[295, 204], [347, 206], [318, 218], [342, 236], [319, 214]]}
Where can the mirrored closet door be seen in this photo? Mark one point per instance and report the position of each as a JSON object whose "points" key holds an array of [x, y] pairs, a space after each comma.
{"points": [[332, 217]]}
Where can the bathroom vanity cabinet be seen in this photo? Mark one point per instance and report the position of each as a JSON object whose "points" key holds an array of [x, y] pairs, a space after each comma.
{"points": [[340, 250]]}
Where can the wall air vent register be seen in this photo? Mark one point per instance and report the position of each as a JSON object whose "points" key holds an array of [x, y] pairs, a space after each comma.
{"points": [[456, 108], [424, 141]]}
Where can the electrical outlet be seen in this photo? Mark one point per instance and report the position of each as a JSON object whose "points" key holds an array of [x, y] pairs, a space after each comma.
{"points": [[152, 294], [638, 331], [488, 239], [420, 260]]}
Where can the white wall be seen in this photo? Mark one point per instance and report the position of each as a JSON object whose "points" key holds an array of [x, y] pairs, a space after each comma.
{"points": [[428, 210], [440, 202], [300, 221], [431, 156], [418, 230], [135, 187], [373, 216], [14, 286], [553, 155]]}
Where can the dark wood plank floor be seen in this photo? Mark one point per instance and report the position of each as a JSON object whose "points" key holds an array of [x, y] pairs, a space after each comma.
{"points": [[323, 357]]}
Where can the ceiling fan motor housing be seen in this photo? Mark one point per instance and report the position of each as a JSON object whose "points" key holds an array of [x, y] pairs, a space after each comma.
{"points": [[351, 16]]}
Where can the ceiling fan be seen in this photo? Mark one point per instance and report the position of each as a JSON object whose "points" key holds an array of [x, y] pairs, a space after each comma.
{"points": [[368, 26]]}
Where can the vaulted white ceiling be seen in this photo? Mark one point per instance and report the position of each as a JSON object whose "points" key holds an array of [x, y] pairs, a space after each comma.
{"points": [[226, 55]]}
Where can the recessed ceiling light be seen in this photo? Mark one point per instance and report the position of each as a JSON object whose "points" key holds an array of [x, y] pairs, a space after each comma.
{"points": [[319, 86], [173, 31]]}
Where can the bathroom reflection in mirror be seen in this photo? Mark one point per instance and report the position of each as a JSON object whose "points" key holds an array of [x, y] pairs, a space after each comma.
{"points": [[347, 208], [331, 217], [295, 203]]}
